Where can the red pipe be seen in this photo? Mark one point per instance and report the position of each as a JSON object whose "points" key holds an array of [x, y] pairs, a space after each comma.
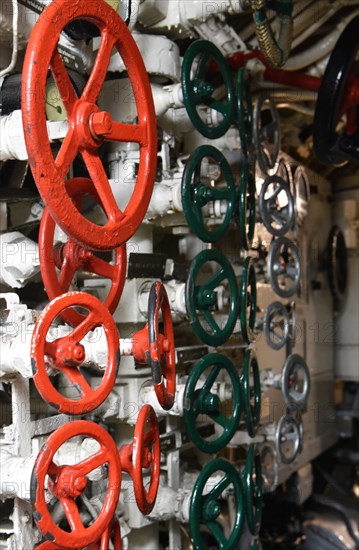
{"points": [[294, 79]]}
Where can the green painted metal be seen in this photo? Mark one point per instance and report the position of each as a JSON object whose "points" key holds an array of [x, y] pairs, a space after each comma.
{"points": [[204, 402], [246, 211], [196, 194], [197, 91], [251, 392], [244, 115], [205, 509], [248, 301], [253, 490], [201, 299]]}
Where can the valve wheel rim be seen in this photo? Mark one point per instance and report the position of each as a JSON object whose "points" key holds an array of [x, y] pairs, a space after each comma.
{"points": [[196, 195], [281, 437], [162, 361], [252, 412], [146, 499], [330, 146], [217, 335], [98, 316], [253, 490], [248, 305], [244, 111], [50, 174], [301, 193], [199, 501], [274, 339], [193, 97], [113, 531], [193, 398], [278, 220], [295, 400], [108, 454], [269, 475], [267, 159], [284, 253], [337, 264], [55, 285], [246, 217]]}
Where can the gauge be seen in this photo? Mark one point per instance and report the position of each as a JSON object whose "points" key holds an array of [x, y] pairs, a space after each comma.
{"points": [[55, 109]]}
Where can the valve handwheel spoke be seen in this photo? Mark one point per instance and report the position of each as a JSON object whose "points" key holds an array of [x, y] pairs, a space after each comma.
{"points": [[196, 194], [201, 300], [111, 534], [70, 482], [276, 325], [288, 438], [284, 267], [251, 393], [295, 382], [71, 257], [197, 91], [144, 453], [276, 206], [204, 401], [88, 127], [67, 354], [63, 82], [205, 508], [248, 301], [253, 490], [161, 346]]}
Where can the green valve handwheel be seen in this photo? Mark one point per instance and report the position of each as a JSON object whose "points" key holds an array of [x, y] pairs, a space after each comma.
{"points": [[244, 115], [246, 213], [206, 292], [276, 49], [251, 386], [197, 194], [248, 301], [253, 490], [198, 90], [204, 401], [206, 508]]}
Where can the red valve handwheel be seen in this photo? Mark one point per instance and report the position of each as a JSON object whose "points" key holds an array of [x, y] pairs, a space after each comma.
{"points": [[67, 354], [88, 126], [67, 482], [72, 257], [143, 453], [162, 346]]}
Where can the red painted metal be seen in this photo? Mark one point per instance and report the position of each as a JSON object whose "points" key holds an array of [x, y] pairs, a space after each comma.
{"points": [[140, 349], [66, 482], [143, 453], [66, 354], [71, 257], [113, 534], [88, 126], [162, 348], [294, 79]]}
